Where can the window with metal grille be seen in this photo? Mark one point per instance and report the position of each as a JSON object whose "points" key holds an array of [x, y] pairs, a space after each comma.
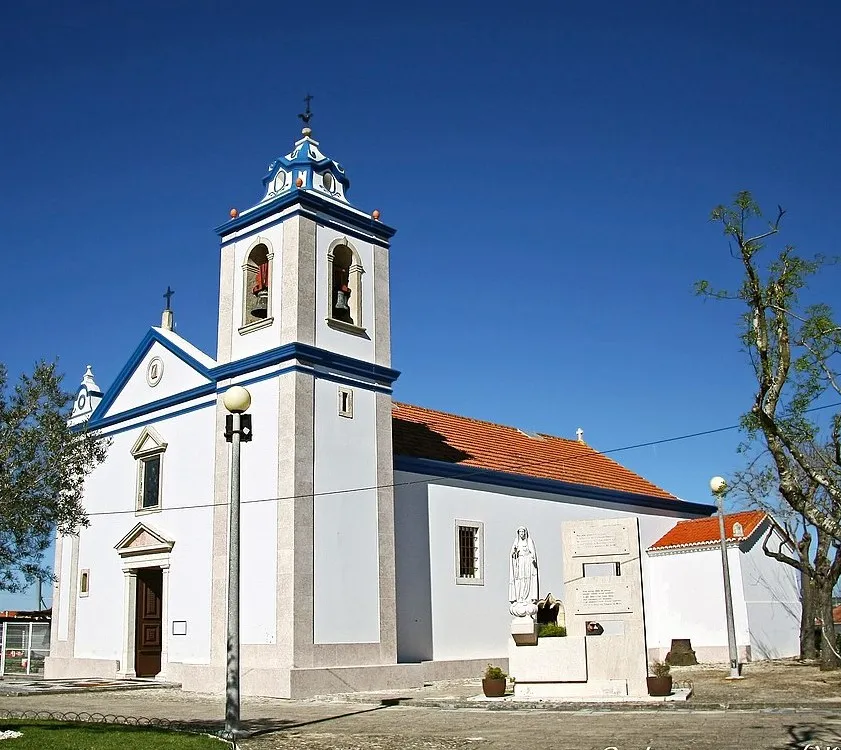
{"points": [[469, 552], [466, 552]]}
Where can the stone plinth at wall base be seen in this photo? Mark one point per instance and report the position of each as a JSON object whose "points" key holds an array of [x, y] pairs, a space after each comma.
{"points": [[551, 660], [524, 631], [679, 695], [57, 668], [310, 682], [596, 689]]}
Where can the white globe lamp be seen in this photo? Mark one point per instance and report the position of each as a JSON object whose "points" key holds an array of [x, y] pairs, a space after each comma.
{"points": [[237, 399]]}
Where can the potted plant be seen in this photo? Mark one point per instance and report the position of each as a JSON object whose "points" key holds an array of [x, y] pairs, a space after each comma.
{"points": [[661, 682], [493, 683]]}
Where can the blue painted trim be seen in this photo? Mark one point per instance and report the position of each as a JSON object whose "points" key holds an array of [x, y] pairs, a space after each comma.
{"points": [[135, 359], [155, 420], [311, 200], [312, 358], [447, 470], [98, 423], [315, 216], [308, 354], [311, 371]]}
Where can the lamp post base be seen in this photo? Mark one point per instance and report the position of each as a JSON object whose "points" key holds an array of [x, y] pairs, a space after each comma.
{"points": [[735, 672]]}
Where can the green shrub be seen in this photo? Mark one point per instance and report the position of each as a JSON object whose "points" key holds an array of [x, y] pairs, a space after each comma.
{"points": [[659, 668], [494, 673], [548, 630]]}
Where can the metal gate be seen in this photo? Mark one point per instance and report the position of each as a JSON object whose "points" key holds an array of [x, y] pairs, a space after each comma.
{"points": [[25, 646]]}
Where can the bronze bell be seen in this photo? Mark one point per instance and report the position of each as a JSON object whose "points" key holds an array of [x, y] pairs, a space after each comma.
{"points": [[261, 309], [342, 299]]}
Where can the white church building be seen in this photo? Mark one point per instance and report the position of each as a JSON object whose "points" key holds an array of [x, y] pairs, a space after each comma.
{"points": [[375, 534]]}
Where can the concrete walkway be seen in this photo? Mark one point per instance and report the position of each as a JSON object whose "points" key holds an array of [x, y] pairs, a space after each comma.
{"points": [[393, 724]]}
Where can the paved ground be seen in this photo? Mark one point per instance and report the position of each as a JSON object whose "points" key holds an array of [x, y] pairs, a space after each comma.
{"points": [[437, 717], [24, 686]]}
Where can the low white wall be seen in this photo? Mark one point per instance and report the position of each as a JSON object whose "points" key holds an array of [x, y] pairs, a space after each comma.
{"points": [[687, 599]]}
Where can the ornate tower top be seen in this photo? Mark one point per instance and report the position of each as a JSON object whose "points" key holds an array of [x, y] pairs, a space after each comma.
{"points": [[306, 176]]}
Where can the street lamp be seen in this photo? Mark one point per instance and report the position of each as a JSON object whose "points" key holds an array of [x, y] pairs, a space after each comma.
{"points": [[237, 429], [719, 487]]}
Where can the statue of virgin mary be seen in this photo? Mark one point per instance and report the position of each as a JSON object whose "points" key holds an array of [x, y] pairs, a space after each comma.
{"points": [[522, 581]]}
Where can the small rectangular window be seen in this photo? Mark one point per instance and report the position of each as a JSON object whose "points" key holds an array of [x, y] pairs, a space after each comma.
{"points": [[469, 552], [346, 402], [601, 569], [151, 487], [84, 582]]}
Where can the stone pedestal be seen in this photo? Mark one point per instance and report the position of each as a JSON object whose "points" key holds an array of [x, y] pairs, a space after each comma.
{"points": [[524, 631], [539, 670]]}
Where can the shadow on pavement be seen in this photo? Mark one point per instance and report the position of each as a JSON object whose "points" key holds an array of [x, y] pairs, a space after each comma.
{"points": [[811, 736], [259, 726]]}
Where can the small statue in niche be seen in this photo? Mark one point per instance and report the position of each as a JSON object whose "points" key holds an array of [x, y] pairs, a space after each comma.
{"points": [[522, 582]]}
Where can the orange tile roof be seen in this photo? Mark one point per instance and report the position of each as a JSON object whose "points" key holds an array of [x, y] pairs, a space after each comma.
{"points": [[436, 435], [700, 531]]}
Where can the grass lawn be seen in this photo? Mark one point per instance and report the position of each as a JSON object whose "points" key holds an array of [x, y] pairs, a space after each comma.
{"points": [[49, 735]]}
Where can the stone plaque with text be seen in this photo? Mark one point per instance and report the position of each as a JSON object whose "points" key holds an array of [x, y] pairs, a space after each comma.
{"points": [[600, 540], [602, 598]]}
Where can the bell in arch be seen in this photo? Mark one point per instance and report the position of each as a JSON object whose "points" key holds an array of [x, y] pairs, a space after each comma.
{"points": [[261, 291], [261, 307], [342, 297]]}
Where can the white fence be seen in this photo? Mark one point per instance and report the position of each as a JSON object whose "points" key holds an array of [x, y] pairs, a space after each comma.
{"points": [[25, 646]]}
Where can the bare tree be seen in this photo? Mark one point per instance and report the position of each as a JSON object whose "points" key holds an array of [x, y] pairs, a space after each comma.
{"points": [[795, 351]]}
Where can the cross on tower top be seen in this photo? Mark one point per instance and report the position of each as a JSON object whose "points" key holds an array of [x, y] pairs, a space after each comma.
{"points": [[168, 297], [306, 116]]}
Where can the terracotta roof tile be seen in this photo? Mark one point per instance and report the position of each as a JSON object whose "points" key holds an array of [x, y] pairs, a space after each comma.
{"points": [[436, 435], [701, 531]]}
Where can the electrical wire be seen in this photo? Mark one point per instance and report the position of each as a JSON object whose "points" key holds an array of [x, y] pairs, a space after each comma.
{"points": [[462, 475]]}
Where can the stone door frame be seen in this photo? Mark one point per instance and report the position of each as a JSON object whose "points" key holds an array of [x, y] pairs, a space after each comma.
{"points": [[143, 547]]}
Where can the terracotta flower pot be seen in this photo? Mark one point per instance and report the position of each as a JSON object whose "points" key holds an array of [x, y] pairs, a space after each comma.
{"points": [[493, 688], [660, 686]]}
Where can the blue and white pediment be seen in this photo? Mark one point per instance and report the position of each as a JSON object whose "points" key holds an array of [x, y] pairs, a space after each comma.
{"points": [[164, 366]]}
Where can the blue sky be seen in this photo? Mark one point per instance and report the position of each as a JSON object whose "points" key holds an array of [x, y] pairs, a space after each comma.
{"points": [[550, 169]]}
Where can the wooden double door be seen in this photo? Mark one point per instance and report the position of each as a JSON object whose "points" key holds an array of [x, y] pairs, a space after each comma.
{"points": [[149, 626]]}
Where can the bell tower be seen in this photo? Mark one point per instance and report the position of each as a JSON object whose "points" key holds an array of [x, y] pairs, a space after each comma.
{"points": [[304, 265], [304, 324]]}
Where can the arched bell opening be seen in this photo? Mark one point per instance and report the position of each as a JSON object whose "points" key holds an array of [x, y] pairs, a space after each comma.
{"points": [[257, 285]]}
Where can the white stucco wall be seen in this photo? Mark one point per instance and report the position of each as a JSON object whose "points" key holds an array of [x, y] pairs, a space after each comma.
{"points": [[772, 598], [688, 600], [470, 621], [412, 569], [766, 603], [258, 518], [187, 480], [345, 557]]}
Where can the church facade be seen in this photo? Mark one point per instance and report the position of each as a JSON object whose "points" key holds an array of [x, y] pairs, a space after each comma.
{"points": [[374, 534]]}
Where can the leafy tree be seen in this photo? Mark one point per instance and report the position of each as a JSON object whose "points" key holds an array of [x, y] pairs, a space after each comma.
{"points": [[43, 465]]}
